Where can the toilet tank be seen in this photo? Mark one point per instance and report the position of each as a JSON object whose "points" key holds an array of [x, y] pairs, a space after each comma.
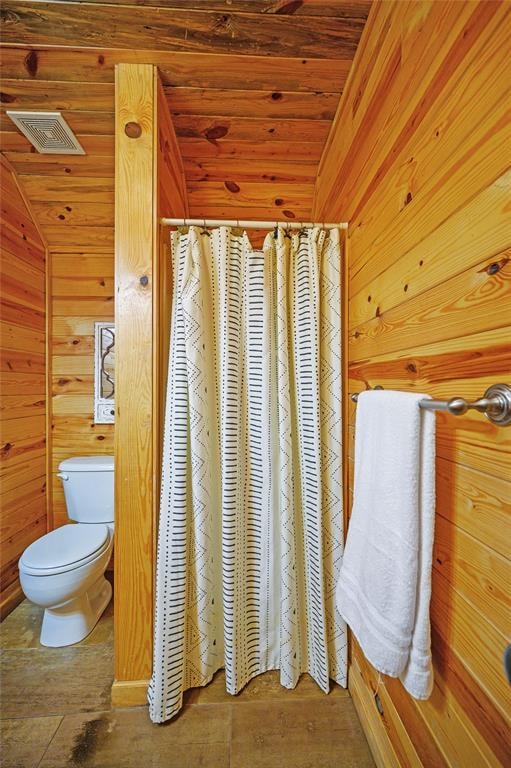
{"points": [[88, 483]]}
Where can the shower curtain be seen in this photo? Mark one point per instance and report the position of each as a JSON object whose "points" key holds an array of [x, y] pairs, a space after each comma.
{"points": [[250, 534]]}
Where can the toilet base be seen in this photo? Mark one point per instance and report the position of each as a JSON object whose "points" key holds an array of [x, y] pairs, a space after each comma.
{"points": [[70, 622]]}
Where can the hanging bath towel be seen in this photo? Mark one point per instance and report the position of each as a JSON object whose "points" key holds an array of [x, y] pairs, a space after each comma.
{"points": [[384, 585]]}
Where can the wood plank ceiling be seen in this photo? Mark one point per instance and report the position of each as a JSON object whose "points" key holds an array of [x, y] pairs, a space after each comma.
{"points": [[252, 87]]}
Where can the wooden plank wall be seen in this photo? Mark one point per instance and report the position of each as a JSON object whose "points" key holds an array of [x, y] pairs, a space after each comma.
{"points": [[82, 293], [23, 515], [149, 184], [418, 162]]}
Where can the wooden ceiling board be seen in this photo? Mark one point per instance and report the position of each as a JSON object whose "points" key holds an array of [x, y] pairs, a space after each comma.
{"points": [[252, 88], [32, 163], [249, 129], [46, 189], [76, 214], [21, 94], [201, 210], [266, 151], [177, 68], [249, 194], [274, 170], [264, 104]]}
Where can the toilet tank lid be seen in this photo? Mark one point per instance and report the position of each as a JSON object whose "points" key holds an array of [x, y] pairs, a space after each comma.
{"points": [[87, 464]]}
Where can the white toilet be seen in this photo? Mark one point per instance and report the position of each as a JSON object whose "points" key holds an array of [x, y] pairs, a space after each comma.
{"points": [[63, 571]]}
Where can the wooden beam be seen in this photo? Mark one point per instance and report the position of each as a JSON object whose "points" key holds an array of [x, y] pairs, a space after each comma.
{"points": [[148, 170], [340, 9], [66, 24]]}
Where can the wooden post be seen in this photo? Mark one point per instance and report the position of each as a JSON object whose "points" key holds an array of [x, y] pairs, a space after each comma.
{"points": [[149, 184], [135, 247]]}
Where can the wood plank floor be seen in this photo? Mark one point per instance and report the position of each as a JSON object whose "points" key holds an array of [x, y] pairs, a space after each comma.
{"points": [[56, 713]]}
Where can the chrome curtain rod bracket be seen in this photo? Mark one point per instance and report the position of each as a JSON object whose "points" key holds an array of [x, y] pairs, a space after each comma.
{"points": [[495, 404]]}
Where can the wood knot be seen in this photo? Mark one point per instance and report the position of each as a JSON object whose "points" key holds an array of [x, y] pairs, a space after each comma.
{"points": [[279, 201], [231, 186], [411, 368], [276, 96], [31, 63], [379, 705], [495, 266], [289, 214], [216, 132], [133, 130]]}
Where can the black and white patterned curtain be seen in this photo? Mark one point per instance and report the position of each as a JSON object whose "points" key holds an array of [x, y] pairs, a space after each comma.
{"points": [[250, 534]]}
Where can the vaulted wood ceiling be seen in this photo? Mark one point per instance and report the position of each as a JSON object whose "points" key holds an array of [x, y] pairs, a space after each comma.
{"points": [[252, 87]]}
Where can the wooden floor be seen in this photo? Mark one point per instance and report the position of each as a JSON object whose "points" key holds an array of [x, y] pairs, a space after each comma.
{"points": [[56, 713]]}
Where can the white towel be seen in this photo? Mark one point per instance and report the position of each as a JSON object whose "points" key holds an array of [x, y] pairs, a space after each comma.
{"points": [[384, 586]]}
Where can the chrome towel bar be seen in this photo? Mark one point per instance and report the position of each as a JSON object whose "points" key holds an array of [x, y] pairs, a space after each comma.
{"points": [[495, 404]]}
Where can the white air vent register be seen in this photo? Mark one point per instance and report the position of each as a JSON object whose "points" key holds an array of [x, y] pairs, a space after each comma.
{"points": [[48, 132]]}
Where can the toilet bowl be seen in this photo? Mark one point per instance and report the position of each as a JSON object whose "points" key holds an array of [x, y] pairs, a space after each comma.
{"points": [[63, 571]]}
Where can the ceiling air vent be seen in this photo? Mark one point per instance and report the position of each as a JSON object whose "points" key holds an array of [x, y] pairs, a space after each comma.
{"points": [[47, 131]]}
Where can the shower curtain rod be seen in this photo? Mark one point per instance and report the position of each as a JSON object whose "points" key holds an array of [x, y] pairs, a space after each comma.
{"points": [[252, 224]]}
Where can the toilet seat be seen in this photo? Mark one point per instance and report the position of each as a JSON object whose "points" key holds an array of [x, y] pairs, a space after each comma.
{"points": [[65, 549]]}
